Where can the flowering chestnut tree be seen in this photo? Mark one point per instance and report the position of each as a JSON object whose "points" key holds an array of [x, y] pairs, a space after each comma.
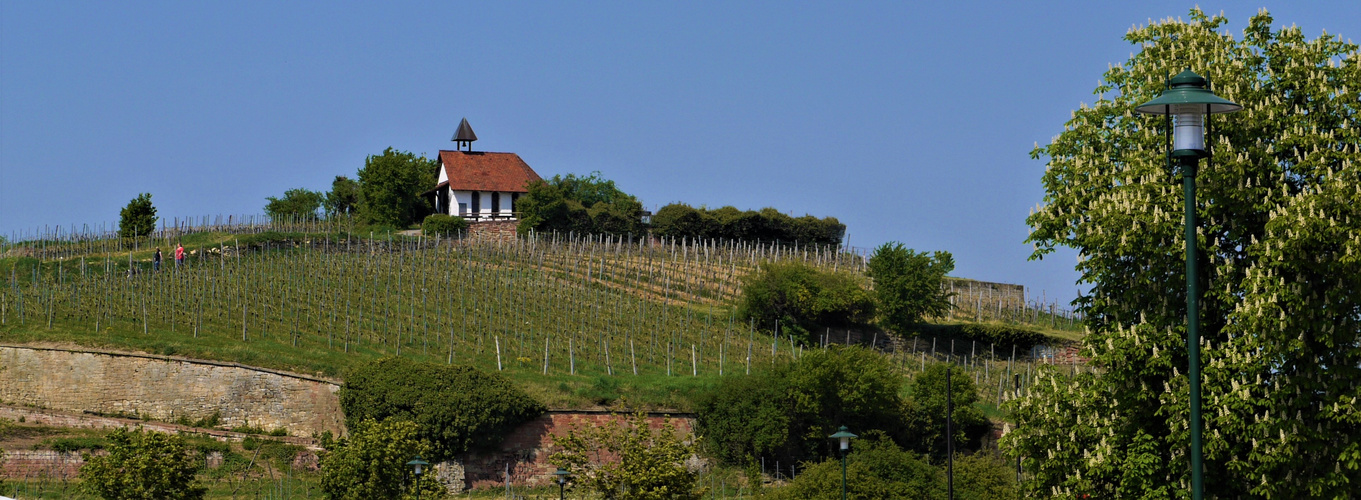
{"points": [[1280, 257]]}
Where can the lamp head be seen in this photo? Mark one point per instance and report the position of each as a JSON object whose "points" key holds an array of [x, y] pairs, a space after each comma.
{"points": [[418, 465], [844, 436], [1188, 100], [563, 475]]}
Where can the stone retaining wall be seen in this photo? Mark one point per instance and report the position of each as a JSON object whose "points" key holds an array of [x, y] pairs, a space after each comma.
{"points": [[166, 388]]}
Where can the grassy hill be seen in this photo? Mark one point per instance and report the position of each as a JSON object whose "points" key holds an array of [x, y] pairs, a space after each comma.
{"points": [[578, 321]]}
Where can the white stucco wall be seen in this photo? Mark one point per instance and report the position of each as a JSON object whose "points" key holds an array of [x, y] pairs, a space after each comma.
{"points": [[484, 203]]}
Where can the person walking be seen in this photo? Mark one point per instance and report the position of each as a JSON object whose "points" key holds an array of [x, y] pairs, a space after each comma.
{"points": [[156, 260], [179, 255]]}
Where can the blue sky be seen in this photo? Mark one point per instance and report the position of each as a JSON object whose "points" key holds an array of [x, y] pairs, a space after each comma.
{"points": [[908, 122]]}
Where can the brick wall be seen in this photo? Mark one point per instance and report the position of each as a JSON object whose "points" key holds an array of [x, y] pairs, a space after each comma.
{"points": [[166, 388]]}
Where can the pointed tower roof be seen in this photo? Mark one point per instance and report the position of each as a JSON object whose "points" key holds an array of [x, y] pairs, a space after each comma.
{"points": [[465, 135]]}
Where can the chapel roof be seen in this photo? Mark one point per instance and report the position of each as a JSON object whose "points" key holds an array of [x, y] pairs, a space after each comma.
{"points": [[482, 171]]}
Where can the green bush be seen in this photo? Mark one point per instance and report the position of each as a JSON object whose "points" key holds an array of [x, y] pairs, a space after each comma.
{"points": [[371, 463], [443, 225], [786, 413], [875, 468], [458, 408], [297, 204], [804, 299], [1002, 336], [74, 444], [142, 465]]}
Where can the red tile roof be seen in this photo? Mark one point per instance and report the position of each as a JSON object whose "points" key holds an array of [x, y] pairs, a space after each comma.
{"points": [[480, 171]]}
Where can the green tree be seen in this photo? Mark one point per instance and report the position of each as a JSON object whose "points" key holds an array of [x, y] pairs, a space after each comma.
{"points": [[630, 460], [141, 465], [138, 219], [458, 408], [907, 284], [787, 413], [371, 463], [390, 187], [1279, 252], [297, 204], [925, 412], [343, 198], [586, 204], [804, 299], [876, 468]]}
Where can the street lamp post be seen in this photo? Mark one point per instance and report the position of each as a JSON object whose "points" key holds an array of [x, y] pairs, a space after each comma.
{"points": [[563, 476], [1189, 99], [949, 435], [845, 437], [418, 466]]}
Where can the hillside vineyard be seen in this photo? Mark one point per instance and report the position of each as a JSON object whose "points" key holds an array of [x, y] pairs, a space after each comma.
{"points": [[559, 303]]}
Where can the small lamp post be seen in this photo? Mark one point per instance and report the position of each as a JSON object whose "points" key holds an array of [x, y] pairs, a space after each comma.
{"points": [[1189, 100], [845, 437], [563, 477], [418, 467]]}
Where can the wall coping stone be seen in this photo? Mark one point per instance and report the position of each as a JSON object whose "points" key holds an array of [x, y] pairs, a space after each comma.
{"points": [[192, 361]]}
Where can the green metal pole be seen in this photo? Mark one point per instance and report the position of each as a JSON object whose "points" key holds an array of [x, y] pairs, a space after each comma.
{"points": [[1188, 168], [843, 474]]}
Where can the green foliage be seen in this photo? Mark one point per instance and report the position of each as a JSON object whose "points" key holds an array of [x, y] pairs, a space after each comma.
{"points": [[458, 408], [768, 224], [589, 204], [984, 476], [1279, 251], [141, 465], [1001, 336], [876, 468], [74, 444], [297, 204], [926, 410], [371, 463], [343, 198], [630, 460], [787, 413], [907, 284], [804, 299], [390, 186], [138, 219], [443, 225]]}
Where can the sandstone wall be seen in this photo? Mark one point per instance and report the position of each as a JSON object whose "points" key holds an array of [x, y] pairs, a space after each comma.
{"points": [[166, 388]]}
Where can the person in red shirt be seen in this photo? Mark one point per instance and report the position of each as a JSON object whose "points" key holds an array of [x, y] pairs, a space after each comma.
{"points": [[179, 255]]}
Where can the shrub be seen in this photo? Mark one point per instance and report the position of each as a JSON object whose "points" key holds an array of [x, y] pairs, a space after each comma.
{"points": [[458, 408], [630, 460], [1002, 336], [804, 299], [925, 412], [907, 284], [875, 468], [787, 413], [443, 225], [371, 463], [142, 465]]}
